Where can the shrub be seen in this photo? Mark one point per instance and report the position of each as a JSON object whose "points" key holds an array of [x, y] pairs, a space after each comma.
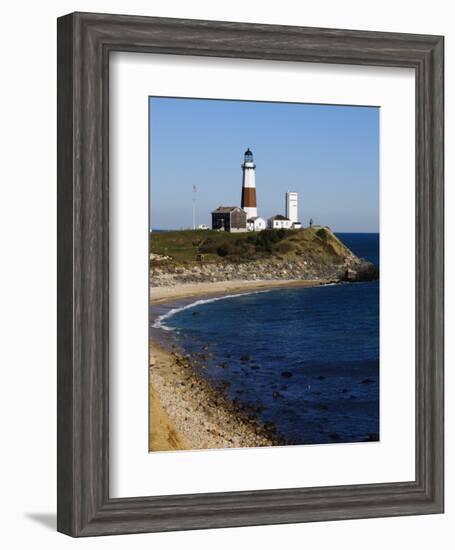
{"points": [[281, 233], [284, 248], [224, 250], [322, 233]]}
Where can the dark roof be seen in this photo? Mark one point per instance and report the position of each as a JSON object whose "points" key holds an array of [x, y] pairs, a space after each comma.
{"points": [[225, 209], [279, 217]]}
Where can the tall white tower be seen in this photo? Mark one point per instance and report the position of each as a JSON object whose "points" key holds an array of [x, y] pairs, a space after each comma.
{"points": [[249, 186], [292, 211]]}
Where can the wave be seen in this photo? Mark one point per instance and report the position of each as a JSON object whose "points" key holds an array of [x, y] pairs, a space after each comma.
{"points": [[159, 321]]}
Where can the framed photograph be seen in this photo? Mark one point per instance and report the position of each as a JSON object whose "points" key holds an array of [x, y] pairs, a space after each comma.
{"points": [[250, 284]]}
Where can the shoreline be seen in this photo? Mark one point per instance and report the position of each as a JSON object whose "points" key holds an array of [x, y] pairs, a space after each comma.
{"points": [[163, 294], [186, 411]]}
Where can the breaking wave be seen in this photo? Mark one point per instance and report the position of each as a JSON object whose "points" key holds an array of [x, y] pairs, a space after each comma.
{"points": [[160, 321]]}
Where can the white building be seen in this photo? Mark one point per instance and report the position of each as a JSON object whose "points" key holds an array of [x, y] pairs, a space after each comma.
{"points": [[279, 222], [292, 210], [249, 186], [256, 224]]}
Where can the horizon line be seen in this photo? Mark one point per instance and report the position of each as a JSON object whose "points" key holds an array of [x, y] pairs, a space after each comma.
{"points": [[151, 229]]}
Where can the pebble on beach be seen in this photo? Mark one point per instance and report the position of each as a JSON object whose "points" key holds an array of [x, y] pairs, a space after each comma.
{"points": [[202, 413]]}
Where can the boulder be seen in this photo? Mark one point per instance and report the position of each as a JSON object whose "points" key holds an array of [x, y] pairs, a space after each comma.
{"points": [[365, 271]]}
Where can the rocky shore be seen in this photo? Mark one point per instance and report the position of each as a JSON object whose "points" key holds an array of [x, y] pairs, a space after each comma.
{"points": [[190, 413], [164, 271]]}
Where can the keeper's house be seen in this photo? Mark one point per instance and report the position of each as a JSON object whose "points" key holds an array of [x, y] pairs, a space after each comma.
{"points": [[256, 224], [279, 222], [229, 218]]}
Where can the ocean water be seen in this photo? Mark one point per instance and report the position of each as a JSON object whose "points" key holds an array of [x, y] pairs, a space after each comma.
{"points": [[306, 359]]}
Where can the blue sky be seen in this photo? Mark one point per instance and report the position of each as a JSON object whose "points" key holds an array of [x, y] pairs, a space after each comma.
{"points": [[329, 154]]}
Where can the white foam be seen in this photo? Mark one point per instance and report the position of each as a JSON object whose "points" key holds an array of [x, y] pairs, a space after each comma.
{"points": [[159, 322]]}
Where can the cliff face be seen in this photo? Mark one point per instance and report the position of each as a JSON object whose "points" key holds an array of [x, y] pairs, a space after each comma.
{"points": [[209, 256]]}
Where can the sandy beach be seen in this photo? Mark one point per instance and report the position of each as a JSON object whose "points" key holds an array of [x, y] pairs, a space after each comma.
{"points": [[186, 412], [167, 293]]}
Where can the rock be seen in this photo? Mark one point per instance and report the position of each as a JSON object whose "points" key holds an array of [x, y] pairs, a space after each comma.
{"points": [[320, 377], [367, 381], [276, 394], [349, 275], [245, 358], [367, 272], [270, 427], [334, 436], [364, 271], [286, 374]]}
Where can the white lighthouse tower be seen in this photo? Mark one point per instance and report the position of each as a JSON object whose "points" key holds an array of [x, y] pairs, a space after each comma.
{"points": [[292, 211], [249, 186]]}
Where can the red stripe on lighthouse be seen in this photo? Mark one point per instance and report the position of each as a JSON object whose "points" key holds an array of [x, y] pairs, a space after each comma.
{"points": [[249, 197]]}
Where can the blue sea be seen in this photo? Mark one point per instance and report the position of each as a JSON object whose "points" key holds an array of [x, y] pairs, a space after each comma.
{"points": [[307, 359]]}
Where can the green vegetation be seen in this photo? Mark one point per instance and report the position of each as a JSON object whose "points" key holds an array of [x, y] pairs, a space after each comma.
{"points": [[314, 243]]}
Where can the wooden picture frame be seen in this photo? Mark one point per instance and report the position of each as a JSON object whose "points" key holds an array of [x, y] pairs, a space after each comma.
{"points": [[84, 44]]}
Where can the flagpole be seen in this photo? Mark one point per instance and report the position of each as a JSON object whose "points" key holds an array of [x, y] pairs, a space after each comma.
{"points": [[194, 207]]}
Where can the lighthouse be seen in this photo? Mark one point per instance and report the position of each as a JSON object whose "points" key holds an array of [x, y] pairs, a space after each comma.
{"points": [[249, 186]]}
